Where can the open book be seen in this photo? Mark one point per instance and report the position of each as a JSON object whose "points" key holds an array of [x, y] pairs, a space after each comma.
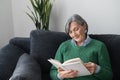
{"points": [[74, 64]]}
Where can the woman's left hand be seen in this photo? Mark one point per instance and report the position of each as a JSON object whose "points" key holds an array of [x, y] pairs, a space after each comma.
{"points": [[91, 66]]}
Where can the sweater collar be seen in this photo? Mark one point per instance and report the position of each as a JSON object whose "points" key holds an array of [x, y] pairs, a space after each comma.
{"points": [[87, 41]]}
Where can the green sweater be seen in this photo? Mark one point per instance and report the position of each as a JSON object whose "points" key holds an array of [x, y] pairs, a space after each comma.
{"points": [[95, 52]]}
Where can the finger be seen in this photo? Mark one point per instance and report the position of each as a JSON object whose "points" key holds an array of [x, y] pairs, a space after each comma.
{"points": [[90, 64], [60, 69], [72, 74]]}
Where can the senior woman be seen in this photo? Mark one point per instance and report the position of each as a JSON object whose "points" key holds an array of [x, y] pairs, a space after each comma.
{"points": [[93, 53]]}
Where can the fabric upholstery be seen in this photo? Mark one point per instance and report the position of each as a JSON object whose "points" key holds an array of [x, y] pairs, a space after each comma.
{"points": [[9, 56], [27, 69], [23, 43], [44, 45]]}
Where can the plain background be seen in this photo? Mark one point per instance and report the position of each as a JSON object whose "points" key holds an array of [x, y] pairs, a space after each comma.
{"points": [[102, 16]]}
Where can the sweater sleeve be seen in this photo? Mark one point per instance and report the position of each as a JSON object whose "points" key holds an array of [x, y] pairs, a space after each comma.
{"points": [[105, 72], [53, 70]]}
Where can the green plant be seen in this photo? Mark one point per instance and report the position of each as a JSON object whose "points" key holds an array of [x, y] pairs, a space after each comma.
{"points": [[41, 13]]}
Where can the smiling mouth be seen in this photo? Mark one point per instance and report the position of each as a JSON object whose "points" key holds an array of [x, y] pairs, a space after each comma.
{"points": [[76, 37]]}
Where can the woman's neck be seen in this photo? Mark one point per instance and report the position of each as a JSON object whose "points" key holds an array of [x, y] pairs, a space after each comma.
{"points": [[79, 43]]}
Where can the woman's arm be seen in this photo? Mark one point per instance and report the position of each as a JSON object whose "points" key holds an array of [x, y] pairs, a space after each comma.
{"points": [[105, 72]]}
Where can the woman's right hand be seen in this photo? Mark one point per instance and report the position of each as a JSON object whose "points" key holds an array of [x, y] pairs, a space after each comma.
{"points": [[91, 66], [67, 73]]}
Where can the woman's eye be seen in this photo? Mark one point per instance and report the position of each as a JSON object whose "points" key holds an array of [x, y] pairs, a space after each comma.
{"points": [[76, 29], [70, 32]]}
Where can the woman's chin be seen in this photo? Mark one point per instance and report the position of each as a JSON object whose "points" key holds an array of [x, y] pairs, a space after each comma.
{"points": [[77, 40]]}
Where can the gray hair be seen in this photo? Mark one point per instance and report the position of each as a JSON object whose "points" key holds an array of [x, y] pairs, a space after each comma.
{"points": [[77, 18]]}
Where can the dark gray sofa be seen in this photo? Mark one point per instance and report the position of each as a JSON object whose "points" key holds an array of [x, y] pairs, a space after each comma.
{"points": [[42, 45]]}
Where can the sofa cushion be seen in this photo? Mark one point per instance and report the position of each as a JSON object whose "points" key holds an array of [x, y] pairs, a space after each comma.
{"points": [[9, 56], [44, 45], [27, 69], [21, 42]]}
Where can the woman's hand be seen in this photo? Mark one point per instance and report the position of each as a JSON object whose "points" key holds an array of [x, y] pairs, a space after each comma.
{"points": [[67, 73], [91, 66]]}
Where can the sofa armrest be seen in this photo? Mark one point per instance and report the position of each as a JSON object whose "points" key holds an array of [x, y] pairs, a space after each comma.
{"points": [[21, 42], [9, 56]]}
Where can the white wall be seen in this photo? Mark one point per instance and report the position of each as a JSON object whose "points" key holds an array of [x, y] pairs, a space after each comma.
{"points": [[103, 16], [6, 23], [22, 23]]}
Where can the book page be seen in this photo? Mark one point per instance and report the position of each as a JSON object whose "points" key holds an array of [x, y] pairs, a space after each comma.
{"points": [[73, 60], [56, 63], [82, 70], [74, 64]]}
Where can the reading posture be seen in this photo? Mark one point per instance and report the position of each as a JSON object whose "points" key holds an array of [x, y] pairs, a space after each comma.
{"points": [[92, 52]]}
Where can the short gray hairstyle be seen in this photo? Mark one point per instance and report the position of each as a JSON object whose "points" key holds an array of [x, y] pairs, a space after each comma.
{"points": [[77, 18]]}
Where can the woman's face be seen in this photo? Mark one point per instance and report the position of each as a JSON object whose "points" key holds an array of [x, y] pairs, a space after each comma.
{"points": [[77, 32]]}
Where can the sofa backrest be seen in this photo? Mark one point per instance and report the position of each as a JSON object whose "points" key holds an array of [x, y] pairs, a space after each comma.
{"points": [[43, 45], [21, 42]]}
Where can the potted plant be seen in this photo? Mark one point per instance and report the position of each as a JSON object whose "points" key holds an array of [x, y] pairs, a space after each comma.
{"points": [[41, 13]]}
